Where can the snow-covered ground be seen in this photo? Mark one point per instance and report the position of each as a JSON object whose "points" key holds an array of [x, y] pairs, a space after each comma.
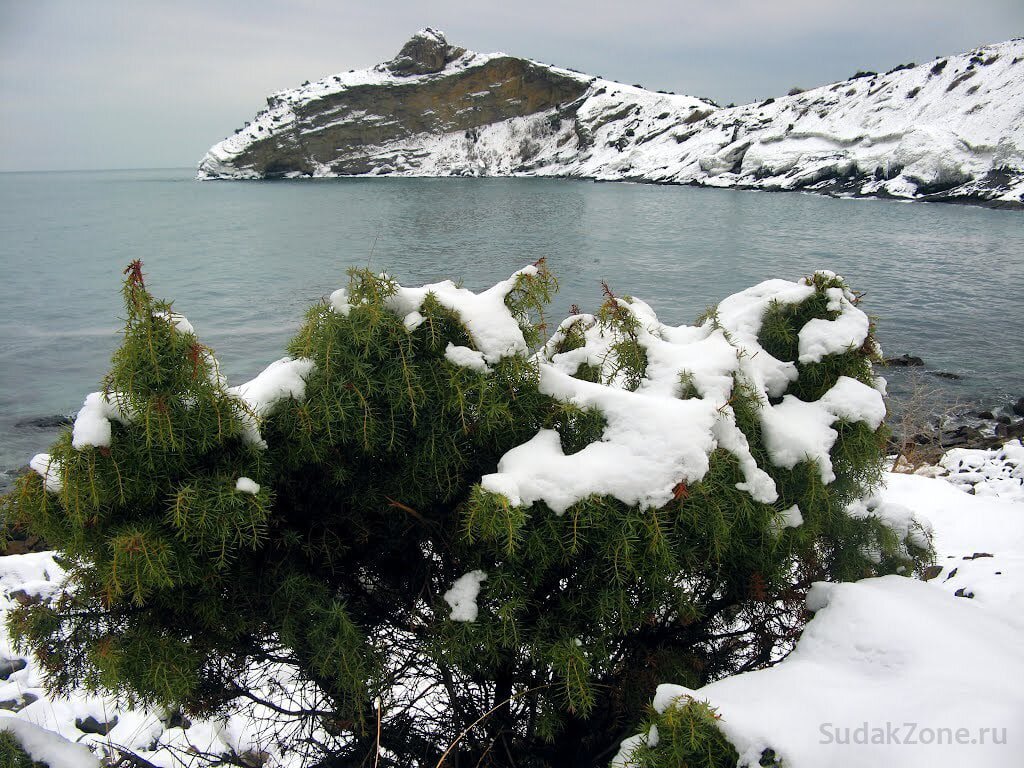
{"points": [[952, 128], [890, 671], [896, 671]]}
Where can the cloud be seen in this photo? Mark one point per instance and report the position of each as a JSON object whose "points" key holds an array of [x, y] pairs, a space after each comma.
{"points": [[115, 83]]}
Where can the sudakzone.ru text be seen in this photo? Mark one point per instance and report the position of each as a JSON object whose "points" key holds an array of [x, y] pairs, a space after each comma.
{"points": [[907, 733]]}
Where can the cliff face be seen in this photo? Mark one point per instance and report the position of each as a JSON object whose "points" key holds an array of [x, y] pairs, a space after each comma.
{"points": [[373, 121], [952, 129]]}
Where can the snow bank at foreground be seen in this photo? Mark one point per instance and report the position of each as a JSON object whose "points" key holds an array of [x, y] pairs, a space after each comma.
{"points": [[896, 671]]}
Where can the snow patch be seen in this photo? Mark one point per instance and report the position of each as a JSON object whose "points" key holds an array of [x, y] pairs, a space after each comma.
{"points": [[464, 357], [282, 379], [247, 485], [92, 424], [493, 328], [463, 594], [49, 469]]}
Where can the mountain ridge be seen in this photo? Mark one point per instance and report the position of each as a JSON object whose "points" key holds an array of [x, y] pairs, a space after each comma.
{"points": [[950, 130]]}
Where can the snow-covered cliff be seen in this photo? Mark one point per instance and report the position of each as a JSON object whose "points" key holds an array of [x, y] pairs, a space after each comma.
{"points": [[951, 129]]}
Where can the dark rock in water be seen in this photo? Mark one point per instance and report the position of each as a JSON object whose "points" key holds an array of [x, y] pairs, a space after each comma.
{"points": [[1010, 431], [92, 725], [1018, 407], [962, 437], [985, 415], [946, 375], [45, 422], [9, 666], [903, 361], [16, 705]]}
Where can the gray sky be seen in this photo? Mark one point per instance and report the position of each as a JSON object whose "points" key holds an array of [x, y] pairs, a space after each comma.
{"points": [[149, 83]]}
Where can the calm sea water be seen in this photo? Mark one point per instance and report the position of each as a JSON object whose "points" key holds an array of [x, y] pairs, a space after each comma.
{"points": [[243, 259]]}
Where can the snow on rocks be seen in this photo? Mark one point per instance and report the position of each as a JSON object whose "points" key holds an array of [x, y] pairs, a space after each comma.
{"points": [[998, 472], [978, 539], [282, 379], [463, 594]]}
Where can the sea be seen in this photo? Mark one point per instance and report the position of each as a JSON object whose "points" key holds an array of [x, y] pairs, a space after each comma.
{"points": [[243, 260]]}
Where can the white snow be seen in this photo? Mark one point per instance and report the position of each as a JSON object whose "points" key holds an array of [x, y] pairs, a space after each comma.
{"points": [[796, 430], [179, 321], [998, 472], [494, 330], [49, 469], [464, 357], [654, 440], [791, 518], [463, 594], [339, 302], [830, 337], [48, 747], [92, 424], [282, 379], [247, 485], [933, 664]]}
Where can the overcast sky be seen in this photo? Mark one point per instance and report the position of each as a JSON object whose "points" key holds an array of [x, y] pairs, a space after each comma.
{"points": [[148, 83]]}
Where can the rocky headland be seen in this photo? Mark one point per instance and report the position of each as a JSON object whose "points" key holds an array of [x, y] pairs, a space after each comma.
{"points": [[949, 130]]}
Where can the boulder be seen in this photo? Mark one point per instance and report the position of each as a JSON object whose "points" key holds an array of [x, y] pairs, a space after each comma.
{"points": [[45, 422], [903, 361], [425, 53], [16, 705], [9, 666], [91, 725]]}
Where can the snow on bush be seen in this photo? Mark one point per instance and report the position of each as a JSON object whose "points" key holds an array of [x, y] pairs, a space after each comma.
{"points": [[647, 502]]}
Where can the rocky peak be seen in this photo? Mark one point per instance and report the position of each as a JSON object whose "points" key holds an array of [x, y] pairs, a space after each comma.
{"points": [[426, 52]]}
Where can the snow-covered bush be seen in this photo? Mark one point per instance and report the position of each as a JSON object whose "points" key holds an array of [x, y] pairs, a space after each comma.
{"points": [[452, 531]]}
